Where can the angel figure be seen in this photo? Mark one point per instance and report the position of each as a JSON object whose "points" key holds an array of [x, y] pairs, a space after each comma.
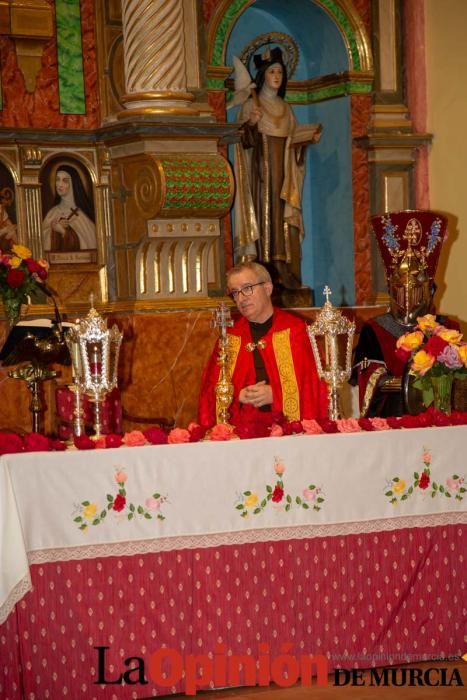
{"points": [[269, 170]]}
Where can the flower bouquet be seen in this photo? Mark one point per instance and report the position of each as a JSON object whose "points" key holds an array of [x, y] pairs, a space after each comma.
{"points": [[438, 356], [20, 276]]}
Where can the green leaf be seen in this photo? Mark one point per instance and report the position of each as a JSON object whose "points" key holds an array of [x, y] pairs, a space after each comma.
{"points": [[396, 479], [433, 494], [86, 503], [131, 507], [83, 526], [239, 507], [316, 508], [256, 511], [247, 493], [416, 475], [161, 517], [455, 476], [109, 497], [244, 514], [404, 497], [109, 507], [305, 505], [130, 516], [288, 498], [156, 496], [79, 519], [458, 498], [441, 488], [388, 493], [103, 514], [320, 500], [264, 503], [416, 483], [148, 516], [311, 487], [298, 500], [447, 494], [140, 510], [410, 490], [393, 500], [269, 488], [462, 489], [434, 485], [96, 521], [287, 507]]}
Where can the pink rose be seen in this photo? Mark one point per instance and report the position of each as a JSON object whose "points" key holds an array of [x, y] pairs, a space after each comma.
{"points": [[152, 503], [311, 427], [135, 438], [276, 430], [178, 436], [348, 425], [309, 494], [379, 423], [426, 457], [279, 468], [121, 476], [221, 432]]}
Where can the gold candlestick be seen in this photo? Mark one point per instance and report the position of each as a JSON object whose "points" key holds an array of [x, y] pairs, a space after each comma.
{"points": [[224, 388]]}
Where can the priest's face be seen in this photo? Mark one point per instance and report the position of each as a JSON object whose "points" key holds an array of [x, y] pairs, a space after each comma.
{"points": [[252, 296]]}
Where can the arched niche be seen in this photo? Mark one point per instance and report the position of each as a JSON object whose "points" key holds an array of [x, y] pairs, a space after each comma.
{"points": [[331, 85]]}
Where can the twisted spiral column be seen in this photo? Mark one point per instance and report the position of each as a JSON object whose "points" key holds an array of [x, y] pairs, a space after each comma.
{"points": [[154, 57]]}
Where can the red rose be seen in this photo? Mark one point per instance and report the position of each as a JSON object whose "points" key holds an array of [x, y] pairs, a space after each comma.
{"points": [[156, 436], [15, 278], [424, 420], [440, 419], [119, 503], [83, 442], [329, 426], [393, 422], [408, 421], [34, 442], [33, 266], [10, 443], [113, 440], [424, 481], [197, 432], [435, 345], [459, 418], [278, 494], [402, 354], [365, 424], [57, 445], [292, 427]]}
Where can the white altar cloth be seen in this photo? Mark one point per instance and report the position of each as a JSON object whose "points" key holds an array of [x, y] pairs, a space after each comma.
{"points": [[81, 504]]}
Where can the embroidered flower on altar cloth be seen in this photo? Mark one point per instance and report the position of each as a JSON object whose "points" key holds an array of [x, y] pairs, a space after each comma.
{"points": [[398, 489], [249, 502], [88, 513]]}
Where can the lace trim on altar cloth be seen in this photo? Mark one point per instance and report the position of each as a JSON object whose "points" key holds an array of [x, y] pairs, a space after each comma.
{"points": [[18, 592], [300, 532]]}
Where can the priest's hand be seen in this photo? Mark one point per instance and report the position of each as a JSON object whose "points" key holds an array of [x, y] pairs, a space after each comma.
{"points": [[259, 394]]}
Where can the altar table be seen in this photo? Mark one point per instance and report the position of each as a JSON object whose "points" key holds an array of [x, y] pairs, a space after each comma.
{"points": [[351, 546]]}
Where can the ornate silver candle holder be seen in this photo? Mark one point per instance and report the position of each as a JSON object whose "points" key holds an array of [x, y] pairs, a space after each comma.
{"points": [[333, 326], [94, 352]]}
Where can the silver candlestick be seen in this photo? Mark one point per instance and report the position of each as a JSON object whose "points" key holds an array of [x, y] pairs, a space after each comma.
{"points": [[94, 351], [330, 323]]}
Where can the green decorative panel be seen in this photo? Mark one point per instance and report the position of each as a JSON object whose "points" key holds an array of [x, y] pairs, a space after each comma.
{"points": [[70, 57], [196, 184]]}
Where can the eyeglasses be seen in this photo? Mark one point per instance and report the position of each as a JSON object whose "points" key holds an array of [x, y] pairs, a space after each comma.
{"points": [[247, 290]]}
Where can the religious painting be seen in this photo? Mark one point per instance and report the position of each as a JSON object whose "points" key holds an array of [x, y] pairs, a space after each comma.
{"points": [[8, 233], [69, 224]]}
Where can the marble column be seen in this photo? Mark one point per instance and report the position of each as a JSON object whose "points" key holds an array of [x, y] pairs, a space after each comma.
{"points": [[155, 58]]}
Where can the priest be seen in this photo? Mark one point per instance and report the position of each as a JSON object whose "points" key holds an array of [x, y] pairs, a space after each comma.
{"points": [[271, 363]]}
